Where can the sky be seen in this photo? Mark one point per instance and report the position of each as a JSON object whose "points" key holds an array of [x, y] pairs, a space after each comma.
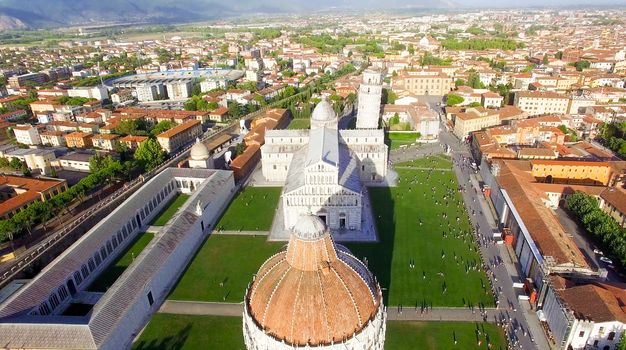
{"points": [[524, 3]]}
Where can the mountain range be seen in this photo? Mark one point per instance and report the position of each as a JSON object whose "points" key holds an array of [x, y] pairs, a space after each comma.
{"points": [[18, 14]]}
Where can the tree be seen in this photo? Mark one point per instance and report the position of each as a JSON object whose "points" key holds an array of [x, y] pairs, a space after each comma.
{"points": [[15, 163], [394, 120], [234, 109], [559, 55], [474, 104], [453, 100], [25, 170], [459, 82], [132, 127], [149, 154], [581, 65], [545, 60], [162, 126]]}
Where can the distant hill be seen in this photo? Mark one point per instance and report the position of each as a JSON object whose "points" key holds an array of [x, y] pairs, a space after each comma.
{"points": [[16, 14]]}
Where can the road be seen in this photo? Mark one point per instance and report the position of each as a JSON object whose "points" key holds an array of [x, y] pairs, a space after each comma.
{"points": [[523, 324]]}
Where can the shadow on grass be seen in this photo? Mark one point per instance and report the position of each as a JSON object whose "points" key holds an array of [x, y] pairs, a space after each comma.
{"points": [[174, 342], [378, 255]]}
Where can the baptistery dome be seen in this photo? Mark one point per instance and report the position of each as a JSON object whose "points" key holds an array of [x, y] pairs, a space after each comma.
{"points": [[314, 293]]}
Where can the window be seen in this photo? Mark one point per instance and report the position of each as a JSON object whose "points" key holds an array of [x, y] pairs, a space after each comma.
{"points": [[611, 336], [54, 301], [44, 309], [77, 277], [84, 271], [150, 298], [581, 334], [63, 293], [92, 265]]}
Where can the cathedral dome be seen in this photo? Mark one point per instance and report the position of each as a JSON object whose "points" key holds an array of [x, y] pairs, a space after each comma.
{"points": [[313, 293], [199, 151], [323, 112]]}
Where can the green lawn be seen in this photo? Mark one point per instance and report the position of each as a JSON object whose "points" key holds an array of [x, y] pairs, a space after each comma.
{"points": [[227, 259], [173, 332], [402, 335], [300, 123], [166, 214], [252, 209], [115, 270], [441, 276], [400, 139]]}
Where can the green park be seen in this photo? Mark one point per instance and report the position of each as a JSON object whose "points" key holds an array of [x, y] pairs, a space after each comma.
{"points": [[425, 256], [172, 332]]}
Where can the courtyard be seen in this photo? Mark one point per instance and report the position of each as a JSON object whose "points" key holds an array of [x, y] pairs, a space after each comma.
{"points": [[115, 270], [223, 267], [252, 209], [300, 123], [401, 139], [166, 214], [424, 257]]}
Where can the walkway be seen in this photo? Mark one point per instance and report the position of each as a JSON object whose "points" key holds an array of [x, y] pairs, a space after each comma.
{"points": [[393, 313], [241, 233]]}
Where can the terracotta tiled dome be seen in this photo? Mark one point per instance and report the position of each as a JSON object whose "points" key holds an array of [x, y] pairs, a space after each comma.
{"points": [[314, 292]]}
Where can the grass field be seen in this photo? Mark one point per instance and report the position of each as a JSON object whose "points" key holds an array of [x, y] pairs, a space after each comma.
{"points": [[252, 209], [227, 259], [115, 270], [441, 335], [174, 332], [401, 139], [166, 214], [443, 272], [300, 123]]}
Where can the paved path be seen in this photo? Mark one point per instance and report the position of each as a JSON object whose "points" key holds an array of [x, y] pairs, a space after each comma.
{"points": [[241, 233], [518, 313], [393, 313], [201, 308]]}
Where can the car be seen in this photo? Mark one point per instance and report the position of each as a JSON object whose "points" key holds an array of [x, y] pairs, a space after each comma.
{"points": [[598, 251], [606, 260]]}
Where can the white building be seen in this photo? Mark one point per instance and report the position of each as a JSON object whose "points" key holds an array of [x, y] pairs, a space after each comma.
{"points": [[27, 134], [32, 317], [324, 169], [588, 316], [147, 92], [319, 288], [98, 92], [179, 90], [199, 156], [370, 93]]}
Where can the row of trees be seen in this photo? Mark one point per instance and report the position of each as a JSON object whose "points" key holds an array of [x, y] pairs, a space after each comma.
{"points": [[614, 137], [481, 44], [605, 230], [40, 212]]}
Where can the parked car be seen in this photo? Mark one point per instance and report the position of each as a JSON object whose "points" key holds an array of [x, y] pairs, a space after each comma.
{"points": [[606, 260], [598, 251]]}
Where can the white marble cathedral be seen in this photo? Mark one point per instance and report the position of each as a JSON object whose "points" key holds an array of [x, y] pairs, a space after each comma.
{"points": [[324, 169]]}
